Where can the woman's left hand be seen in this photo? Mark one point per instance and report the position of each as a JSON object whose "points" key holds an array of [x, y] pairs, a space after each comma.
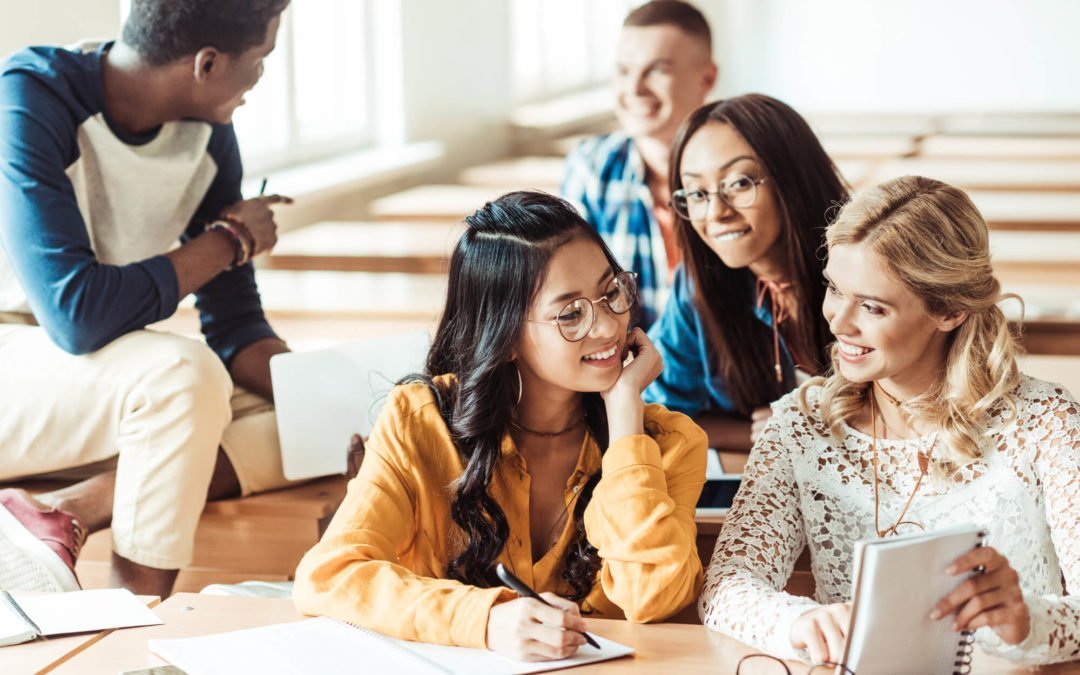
{"points": [[645, 367], [625, 409], [993, 598]]}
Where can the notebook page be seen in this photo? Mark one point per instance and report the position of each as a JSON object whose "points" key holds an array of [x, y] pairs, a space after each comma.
{"points": [[900, 580], [302, 647], [82, 611], [322, 645], [13, 628]]}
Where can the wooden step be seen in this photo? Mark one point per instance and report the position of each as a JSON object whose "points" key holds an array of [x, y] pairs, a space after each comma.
{"points": [[306, 331], [869, 146], [827, 124], [416, 248], [348, 295], [1036, 257], [987, 174], [518, 173], [1013, 124], [434, 202], [1013, 148], [1031, 211]]}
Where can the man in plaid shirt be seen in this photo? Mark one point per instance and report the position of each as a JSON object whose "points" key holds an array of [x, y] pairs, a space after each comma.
{"points": [[619, 181]]}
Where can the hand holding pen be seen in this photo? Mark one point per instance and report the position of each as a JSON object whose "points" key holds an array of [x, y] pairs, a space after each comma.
{"points": [[256, 218], [534, 627]]}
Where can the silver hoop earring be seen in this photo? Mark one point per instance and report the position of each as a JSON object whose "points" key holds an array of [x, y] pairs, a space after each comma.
{"points": [[516, 370]]}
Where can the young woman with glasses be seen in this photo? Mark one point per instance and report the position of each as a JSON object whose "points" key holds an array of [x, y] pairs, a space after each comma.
{"points": [[924, 422], [753, 190], [524, 442]]}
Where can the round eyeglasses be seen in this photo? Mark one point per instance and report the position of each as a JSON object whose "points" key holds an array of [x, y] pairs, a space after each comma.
{"points": [[576, 319], [763, 664], [739, 192]]}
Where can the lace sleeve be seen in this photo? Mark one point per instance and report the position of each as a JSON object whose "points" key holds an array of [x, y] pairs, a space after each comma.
{"points": [[756, 552], [1055, 620]]}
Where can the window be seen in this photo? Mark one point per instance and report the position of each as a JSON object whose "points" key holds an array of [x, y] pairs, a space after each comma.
{"points": [[315, 98], [560, 46]]}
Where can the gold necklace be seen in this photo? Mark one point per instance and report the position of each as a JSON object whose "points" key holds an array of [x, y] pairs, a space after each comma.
{"points": [[548, 434], [924, 463]]}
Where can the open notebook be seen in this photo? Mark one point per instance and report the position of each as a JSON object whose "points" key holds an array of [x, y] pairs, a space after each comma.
{"points": [[897, 581], [323, 645], [24, 617]]}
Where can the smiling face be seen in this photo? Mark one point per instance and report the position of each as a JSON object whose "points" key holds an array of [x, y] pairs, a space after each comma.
{"points": [[226, 78], [883, 330], [662, 74], [544, 358], [717, 155]]}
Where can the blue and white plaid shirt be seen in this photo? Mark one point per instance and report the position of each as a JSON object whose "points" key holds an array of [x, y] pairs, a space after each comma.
{"points": [[605, 181]]}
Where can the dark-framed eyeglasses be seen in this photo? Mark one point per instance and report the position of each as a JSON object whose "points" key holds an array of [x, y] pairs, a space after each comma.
{"points": [[576, 319], [739, 192], [764, 664]]}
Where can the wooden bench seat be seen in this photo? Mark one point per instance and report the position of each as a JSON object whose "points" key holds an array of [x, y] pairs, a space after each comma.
{"points": [[827, 124], [419, 248], [1036, 257]]}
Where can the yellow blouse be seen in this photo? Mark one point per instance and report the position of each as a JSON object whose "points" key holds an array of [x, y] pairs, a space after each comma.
{"points": [[381, 561]]}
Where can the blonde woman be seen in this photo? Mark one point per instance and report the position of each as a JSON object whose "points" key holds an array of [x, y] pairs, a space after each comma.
{"points": [[924, 422]]}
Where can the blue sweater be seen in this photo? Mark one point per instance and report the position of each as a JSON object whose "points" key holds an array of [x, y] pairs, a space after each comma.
{"points": [[87, 213], [691, 382]]}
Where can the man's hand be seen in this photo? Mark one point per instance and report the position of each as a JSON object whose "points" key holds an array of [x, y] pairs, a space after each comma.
{"points": [[257, 218]]}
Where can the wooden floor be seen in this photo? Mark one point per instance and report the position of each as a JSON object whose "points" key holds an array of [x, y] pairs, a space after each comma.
{"points": [[339, 281]]}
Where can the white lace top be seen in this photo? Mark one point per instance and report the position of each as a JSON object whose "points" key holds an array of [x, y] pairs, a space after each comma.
{"points": [[803, 487]]}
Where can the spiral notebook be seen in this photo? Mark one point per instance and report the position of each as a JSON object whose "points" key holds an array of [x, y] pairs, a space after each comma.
{"points": [[896, 582], [323, 645]]}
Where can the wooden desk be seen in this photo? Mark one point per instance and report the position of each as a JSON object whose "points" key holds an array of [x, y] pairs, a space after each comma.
{"points": [[518, 173], [1012, 148], [337, 246], [45, 654], [987, 174], [662, 649]]}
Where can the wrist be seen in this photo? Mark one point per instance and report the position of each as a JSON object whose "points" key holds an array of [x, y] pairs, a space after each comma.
{"points": [[242, 244], [626, 416]]}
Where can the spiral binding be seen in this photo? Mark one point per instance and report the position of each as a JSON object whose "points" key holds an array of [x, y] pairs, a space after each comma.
{"points": [[966, 647], [964, 653]]}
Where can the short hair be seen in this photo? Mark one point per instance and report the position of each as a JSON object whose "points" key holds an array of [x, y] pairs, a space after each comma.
{"points": [[162, 31], [682, 15]]}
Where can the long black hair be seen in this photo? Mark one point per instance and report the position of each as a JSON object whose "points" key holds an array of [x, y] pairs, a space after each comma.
{"points": [[809, 190], [496, 270]]}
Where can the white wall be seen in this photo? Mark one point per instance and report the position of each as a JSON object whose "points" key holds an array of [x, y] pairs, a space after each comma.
{"points": [[55, 22], [915, 55]]}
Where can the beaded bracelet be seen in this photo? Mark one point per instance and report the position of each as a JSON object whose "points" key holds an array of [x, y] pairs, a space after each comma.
{"points": [[243, 246]]}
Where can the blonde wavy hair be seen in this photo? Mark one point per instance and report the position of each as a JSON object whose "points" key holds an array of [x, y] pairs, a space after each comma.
{"points": [[935, 242]]}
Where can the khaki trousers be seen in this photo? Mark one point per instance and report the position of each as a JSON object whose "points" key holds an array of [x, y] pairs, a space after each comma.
{"points": [[160, 404]]}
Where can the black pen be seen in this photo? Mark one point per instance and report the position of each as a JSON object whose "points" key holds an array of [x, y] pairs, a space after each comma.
{"points": [[519, 587]]}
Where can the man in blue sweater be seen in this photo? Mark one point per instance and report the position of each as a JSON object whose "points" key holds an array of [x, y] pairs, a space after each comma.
{"points": [[119, 196]]}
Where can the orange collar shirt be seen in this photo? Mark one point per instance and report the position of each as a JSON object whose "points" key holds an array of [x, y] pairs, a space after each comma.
{"points": [[381, 563]]}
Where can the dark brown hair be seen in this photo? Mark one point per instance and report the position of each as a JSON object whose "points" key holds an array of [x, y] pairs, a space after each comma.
{"points": [[808, 189], [682, 15]]}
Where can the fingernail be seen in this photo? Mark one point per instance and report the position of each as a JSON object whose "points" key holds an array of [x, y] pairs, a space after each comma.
{"points": [[951, 569], [935, 615]]}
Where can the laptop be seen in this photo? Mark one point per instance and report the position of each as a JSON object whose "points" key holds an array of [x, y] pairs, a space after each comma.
{"points": [[325, 396]]}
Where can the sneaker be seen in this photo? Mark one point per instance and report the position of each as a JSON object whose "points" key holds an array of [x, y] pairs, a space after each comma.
{"points": [[37, 548]]}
